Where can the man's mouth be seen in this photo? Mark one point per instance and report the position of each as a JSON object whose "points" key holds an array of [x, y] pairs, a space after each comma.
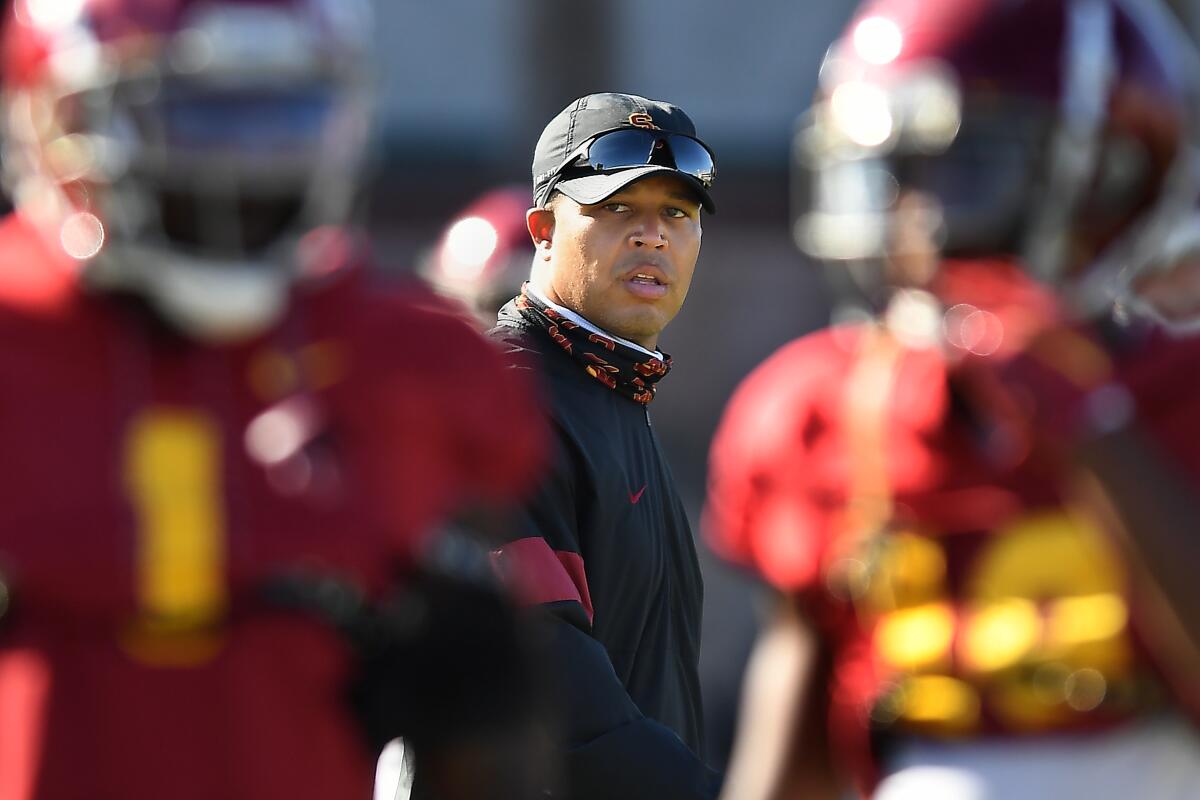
{"points": [[646, 285]]}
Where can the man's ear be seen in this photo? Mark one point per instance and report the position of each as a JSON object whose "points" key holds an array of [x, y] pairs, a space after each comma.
{"points": [[540, 222]]}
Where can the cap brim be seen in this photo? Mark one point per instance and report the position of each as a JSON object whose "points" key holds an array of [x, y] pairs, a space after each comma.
{"points": [[591, 189]]}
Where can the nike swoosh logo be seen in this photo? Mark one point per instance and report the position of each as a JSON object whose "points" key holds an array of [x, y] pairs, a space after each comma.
{"points": [[633, 498]]}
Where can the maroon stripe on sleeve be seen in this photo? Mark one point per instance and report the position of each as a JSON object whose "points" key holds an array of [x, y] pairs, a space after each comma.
{"points": [[538, 574]]}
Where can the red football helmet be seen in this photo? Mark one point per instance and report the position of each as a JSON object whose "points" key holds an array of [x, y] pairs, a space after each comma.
{"points": [[180, 149], [1057, 133], [484, 254]]}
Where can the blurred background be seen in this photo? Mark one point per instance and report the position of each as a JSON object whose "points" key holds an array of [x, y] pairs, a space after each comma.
{"points": [[466, 87]]}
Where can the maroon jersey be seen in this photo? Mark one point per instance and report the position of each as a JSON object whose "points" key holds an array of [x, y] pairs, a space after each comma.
{"points": [[928, 535], [150, 485]]}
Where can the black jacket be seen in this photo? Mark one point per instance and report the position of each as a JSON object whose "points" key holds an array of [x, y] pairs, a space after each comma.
{"points": [[606, 547]]}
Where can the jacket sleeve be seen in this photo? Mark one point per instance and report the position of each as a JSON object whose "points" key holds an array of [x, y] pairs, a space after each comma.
{"points": [[611, 749], [542, 561]]}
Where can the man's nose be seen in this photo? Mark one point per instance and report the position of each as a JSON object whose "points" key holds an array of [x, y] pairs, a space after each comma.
{"points": [[650, 232]]}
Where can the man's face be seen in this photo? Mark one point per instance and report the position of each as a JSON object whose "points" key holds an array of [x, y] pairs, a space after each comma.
{"points": [[626, 263]]}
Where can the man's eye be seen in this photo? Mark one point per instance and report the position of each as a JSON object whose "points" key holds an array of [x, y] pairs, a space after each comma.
{"points": [[678, 213], [617, 207]]}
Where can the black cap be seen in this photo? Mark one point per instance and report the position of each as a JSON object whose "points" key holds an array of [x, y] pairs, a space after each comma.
{"points": [[591, 116]]}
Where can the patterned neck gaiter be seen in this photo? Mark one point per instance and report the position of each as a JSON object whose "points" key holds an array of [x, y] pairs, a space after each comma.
{"points": [[617, 366]]}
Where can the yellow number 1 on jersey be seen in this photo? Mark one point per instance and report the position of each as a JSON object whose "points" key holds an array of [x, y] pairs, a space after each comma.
{"points": [[173, 469]]}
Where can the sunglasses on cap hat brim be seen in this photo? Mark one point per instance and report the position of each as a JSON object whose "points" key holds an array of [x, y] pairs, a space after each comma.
{"points": [[628, 148]]}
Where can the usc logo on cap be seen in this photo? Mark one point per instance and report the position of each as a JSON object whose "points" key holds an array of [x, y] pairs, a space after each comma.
{"points": [[642, 120]]}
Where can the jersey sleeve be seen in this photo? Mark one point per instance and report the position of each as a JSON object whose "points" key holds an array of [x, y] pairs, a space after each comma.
{"points": [[500, 439], [445, 421], [772, 472]]}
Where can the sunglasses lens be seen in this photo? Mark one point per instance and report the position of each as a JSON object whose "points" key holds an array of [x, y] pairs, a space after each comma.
{"points": [[634, 148], [621, 149], [692, 158]]}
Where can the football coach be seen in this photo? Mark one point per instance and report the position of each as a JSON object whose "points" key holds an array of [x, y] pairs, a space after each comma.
{"points": [[604, 548]]}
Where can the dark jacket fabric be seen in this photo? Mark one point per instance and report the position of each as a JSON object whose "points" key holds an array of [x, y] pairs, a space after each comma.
{"points": [[605, 547]]}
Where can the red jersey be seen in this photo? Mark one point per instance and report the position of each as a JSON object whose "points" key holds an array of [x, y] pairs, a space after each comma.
{"points": [[931, 544], [152, 484]]}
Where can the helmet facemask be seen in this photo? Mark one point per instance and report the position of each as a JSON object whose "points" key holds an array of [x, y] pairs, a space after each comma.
{"points": [[1074, 185], [205, 159]]}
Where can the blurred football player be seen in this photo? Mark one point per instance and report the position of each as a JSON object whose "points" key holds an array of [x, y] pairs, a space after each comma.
{"points": [[482, 257], [227, 450], [932, 487]]}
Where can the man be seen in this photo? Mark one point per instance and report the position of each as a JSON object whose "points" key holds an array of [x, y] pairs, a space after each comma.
{"points": [[930, 491], [619, 184], [228, 450]]}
